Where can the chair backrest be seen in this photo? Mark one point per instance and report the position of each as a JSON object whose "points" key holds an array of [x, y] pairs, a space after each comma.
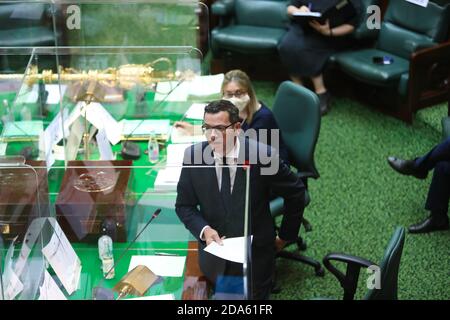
{"points": [[296, 110], [405, 25], [389, 267], [261, 13], [362, 32]]}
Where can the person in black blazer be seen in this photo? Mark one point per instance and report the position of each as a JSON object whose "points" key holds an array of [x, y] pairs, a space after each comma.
{"points": [[211, 211], [438, 159]]}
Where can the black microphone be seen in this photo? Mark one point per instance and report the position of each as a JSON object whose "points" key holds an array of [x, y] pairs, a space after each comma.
{"points": [[100, 293]]}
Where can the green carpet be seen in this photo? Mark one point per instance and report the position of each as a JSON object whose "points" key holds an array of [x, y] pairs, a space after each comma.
{"points": [[358, 201]]}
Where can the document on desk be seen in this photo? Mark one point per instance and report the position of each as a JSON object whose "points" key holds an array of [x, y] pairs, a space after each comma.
{"points": [[104, 147], [175, 153], [3, 147], [49, 290], [52, 90], [63, 259], [172, 91], [11, 283], [164, 266], [206, 87], [167, 179], [232, 249], [96, 114], [196, 111], [23, 129]]}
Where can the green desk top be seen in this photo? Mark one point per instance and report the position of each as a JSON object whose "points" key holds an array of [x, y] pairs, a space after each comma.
{"points": [[170, 227], [92, 275]]}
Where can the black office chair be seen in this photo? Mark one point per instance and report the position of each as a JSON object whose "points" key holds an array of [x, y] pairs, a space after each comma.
{"points": [[296, 110], [388, 269]]}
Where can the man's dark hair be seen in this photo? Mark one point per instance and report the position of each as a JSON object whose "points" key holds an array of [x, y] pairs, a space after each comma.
{"points": [[224, 105]]}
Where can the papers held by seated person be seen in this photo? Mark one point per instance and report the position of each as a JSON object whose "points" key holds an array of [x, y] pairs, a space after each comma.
{"points": [[339, 13]]}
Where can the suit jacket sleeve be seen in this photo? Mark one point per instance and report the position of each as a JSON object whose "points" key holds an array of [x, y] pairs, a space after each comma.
{"points": [[186, 205], [288, 185]]}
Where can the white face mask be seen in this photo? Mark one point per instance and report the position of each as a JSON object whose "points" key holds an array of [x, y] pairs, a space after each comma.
{"points": [[241, 102]]}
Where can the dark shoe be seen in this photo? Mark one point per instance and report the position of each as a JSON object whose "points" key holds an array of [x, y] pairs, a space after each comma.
{"points": [[324, 99], [406, 167], [428, 225]]}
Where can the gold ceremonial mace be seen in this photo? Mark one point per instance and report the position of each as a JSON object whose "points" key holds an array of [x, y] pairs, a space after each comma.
{"points": [[89, 92]]}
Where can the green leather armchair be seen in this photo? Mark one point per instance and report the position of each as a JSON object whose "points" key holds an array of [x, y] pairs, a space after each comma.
{"points": [[388, 268], [248, 26], [415, 37], [25, 25]]}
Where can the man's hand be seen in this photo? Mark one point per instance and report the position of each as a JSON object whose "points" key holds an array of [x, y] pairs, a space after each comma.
{"points": [[279, 244], [303, 9], [211, 235], [323, 29]]}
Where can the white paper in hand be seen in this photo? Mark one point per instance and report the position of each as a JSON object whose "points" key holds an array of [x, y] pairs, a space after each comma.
{"points": [[232, 249]]}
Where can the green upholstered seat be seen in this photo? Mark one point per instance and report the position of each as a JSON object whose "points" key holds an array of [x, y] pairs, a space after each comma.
{"points": [[296, 110], [249, 26], [247, 39], [388, 269], [406, 28], [359, 64]]}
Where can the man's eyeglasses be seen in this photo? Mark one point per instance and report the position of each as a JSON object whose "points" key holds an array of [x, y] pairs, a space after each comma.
{"points": [[237, 94], [208, 129]]}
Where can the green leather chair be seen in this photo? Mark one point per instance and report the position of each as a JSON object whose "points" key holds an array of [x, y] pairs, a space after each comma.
{"points": [[25, 25], [296, 110], [248, 26], [407, 29], [388, 267]]}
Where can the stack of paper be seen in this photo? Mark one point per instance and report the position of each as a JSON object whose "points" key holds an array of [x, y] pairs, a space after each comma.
{"points": [[206, 87], [167, 179], [172, 91]]}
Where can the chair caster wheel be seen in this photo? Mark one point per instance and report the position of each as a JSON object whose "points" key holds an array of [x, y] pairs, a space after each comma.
{"points": [[320, 272]]}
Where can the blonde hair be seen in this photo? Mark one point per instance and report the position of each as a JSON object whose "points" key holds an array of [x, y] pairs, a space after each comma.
{"points": [[242, 79]]}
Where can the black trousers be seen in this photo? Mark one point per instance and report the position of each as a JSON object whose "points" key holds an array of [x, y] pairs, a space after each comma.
{"points": [[439, 192]]}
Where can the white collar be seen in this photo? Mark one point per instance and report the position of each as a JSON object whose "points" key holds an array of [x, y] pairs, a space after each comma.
{"points": [[232, 154]]}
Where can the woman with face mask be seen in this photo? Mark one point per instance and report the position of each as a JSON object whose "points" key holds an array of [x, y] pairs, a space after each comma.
{"points": [[237, 88]]}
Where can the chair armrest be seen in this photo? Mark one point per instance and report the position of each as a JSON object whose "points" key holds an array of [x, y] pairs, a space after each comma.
{"points": [[414, 46], [349, 280], [222, 7], [429, 75]]}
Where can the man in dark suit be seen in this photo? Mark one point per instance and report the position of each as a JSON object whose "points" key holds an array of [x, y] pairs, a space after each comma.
{"points": [[438, 193], [211, 199]]}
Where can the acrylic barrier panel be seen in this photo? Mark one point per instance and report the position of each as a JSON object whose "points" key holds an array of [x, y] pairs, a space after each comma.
{"points": [[97, 98], [130, 230], [132, 23], [24, 205], [25, 24]]}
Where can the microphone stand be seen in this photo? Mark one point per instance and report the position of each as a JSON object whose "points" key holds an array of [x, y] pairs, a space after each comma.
{"points": [[155, 214]]}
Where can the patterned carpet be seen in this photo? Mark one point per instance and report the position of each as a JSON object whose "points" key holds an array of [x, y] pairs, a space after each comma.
{"points": [[358, 201]]}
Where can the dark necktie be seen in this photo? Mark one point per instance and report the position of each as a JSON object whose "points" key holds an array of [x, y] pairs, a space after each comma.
{"points": [[225, 188]]}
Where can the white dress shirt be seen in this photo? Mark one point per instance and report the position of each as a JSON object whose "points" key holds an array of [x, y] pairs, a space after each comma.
{"points": [[231, 158]]}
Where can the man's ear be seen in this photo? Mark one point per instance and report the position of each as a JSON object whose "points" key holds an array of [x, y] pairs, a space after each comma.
{"points": [[237, 125]]}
